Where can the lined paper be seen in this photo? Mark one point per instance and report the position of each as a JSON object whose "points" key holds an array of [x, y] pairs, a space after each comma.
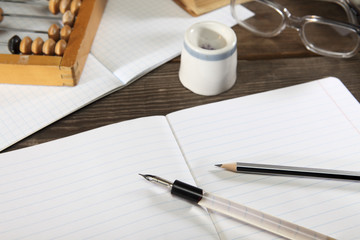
{"points": [[134, 37], [87, 187], [316, 124]]}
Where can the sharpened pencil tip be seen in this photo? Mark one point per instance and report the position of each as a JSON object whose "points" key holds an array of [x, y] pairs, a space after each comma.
{"points": [[218, 165]]}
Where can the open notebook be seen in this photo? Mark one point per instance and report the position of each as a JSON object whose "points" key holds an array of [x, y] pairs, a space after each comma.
{"points": [[87, 186], [134, 37]]}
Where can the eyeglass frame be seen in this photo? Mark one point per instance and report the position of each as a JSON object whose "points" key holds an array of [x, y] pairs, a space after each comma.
{"points": [[297, 23]]}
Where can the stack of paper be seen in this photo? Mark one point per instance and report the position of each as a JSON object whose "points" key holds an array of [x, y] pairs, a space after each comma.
{"points": [[133, 38]]}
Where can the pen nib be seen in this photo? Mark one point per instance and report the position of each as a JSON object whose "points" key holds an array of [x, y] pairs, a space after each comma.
{"points": [[147, 176], [156, 179]]}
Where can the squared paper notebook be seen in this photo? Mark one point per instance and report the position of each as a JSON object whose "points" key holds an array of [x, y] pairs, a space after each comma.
{"points": [[134, 37], [87, 186]]}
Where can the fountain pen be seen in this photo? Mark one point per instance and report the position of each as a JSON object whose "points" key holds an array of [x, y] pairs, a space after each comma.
{"points": [[237, 211]]}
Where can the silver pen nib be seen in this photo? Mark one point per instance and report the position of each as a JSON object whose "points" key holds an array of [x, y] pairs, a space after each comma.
{"points": [[156, 179]]}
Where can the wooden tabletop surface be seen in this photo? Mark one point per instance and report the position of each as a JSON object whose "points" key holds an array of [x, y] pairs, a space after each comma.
{"points": [[263, 64]]}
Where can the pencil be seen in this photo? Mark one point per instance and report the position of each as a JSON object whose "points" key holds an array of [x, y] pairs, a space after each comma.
{"points": [[241, 167]]}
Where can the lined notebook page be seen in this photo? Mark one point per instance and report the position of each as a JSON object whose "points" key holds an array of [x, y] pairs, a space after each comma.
{"points": [[87, 187], [135, 36], [316, 124]]}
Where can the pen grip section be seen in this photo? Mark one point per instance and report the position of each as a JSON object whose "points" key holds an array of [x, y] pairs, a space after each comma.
{"points": [[187, 191], [259, 219]]}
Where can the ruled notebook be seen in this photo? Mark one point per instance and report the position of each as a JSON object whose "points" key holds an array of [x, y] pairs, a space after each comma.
{"points": [[134, 37], [87, 186]]}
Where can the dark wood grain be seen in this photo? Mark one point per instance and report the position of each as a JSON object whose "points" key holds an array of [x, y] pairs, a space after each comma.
{"points": [[264, 64], [160, 92]]}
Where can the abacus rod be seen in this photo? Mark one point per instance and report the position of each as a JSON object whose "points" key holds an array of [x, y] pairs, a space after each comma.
{"points": [[22, 30], [31, 16], [44, 2], [53, 5]]}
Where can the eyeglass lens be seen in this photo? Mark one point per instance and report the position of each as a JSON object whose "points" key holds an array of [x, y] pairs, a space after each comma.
{"points": [[320, 36], [328, 37], [263, 18], [322, 8]]}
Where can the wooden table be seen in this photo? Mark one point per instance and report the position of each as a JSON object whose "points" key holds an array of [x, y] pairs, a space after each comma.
{"points": [[263, 64]]}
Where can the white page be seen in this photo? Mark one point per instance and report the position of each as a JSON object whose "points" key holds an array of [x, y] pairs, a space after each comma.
{"points": [[72, 188], [25, 109], [87, 187], [136, 36], [316, 124]]}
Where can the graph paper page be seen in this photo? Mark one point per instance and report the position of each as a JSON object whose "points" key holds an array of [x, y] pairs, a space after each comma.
{"points": [[316, 124], [135, 36], [25, 109]]}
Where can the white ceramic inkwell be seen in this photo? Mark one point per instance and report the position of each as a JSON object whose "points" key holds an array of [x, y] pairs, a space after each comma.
{"points": [[208, 58]]}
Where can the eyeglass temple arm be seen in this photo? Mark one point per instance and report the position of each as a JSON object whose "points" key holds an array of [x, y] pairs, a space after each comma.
{"points": [[243, 1], [355, 11]]}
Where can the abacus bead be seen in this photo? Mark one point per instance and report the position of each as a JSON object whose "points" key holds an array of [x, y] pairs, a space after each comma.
{"points": [[65, 33], [49, 47], [60, 47], [54, 32], [1, 14], [36, 46], [64, 5], [75, 6], [54, 6], [25, 45], [14, 44], [68, 18]]}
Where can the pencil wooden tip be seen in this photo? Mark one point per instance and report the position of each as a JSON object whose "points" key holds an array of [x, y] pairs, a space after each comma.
{"points": [[228, 166]]}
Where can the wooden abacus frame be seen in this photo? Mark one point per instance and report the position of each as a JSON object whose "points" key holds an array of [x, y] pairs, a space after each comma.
{"points": [[55, 70]]}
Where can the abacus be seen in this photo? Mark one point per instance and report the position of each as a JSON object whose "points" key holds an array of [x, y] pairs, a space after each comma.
{"points": [[54, 62]]}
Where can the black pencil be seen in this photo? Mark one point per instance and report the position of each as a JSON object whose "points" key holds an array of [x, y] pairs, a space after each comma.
{"points": [[290, 171]]}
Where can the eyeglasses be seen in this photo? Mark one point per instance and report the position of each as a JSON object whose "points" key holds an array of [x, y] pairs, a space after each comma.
{"points": [[320, 35]]}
